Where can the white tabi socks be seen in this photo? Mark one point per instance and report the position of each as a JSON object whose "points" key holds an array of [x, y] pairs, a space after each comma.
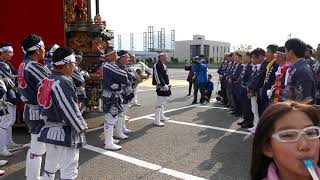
{"points": [[124, 128], [33, 166], [3, 143], [119, 129], [108, 139], [157, 121], [162, 117]]}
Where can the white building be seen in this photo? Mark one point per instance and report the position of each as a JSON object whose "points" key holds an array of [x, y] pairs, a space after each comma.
{"points": [[212, 50]]}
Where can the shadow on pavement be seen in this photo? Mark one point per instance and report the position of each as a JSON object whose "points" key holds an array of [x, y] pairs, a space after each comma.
{"points": [[221, 152]]}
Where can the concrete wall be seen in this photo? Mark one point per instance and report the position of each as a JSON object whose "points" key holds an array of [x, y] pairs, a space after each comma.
{"points": [[182, 48]]}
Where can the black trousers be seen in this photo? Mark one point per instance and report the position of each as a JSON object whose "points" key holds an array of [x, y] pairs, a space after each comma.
{"points": [[237, 99], [208, 96], [224, 91], [190, 86], [246, 106], [201, 87]]}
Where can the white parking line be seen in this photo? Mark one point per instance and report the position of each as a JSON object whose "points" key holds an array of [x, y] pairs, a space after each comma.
{"points": [[211, 107], [144, 90], [204, 126], [178, 174], [149, 115], [94, 129], [153, 89], [141, 117], [19, 148], [142, 163], [167, 111], [208, 127]]}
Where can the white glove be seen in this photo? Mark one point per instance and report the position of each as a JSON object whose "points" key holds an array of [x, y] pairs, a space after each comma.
{"points": [[269, 93], [166, 87]]}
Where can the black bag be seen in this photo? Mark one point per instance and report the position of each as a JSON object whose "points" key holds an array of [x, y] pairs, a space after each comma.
{"points": [[163, 93]]}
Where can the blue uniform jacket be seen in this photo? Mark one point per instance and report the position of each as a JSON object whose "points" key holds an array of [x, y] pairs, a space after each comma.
{"points": [[245, 74], [301, 82], [200, 70], [113, 79], [59, 109], [30, 75], [253, 83]]}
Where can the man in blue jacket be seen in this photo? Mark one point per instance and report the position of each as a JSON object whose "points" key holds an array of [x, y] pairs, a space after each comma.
{"points": [[200, 69], [301, 83]]}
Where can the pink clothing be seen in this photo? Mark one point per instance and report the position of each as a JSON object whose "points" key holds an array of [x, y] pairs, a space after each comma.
{"points": [[273, 172]]}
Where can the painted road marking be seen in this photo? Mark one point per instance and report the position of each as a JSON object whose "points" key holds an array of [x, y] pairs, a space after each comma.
{"points": [[204, 126], [142, 163], [209, 127], [153, 89], [210, 107], [19, 148], [171, 110]]}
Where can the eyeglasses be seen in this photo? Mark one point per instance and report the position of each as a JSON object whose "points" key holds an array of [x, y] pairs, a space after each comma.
{"points": [[293, 135]]}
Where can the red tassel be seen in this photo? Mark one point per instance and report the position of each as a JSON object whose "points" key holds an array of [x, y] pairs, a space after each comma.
{"points": [[80, 3]]}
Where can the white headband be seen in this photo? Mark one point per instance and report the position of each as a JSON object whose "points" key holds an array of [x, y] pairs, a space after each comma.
{"points": [[54, 48], [78, 56], [6, 49], [125, 55], [110, 53], [67, 60], [162, 53], [35, 47]]}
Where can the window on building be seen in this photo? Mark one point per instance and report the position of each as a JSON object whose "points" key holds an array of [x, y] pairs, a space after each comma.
{"points": [[194, 50], [206, 51]]}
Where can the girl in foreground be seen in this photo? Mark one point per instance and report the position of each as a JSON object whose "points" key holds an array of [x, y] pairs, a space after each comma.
{"points": [[286, 138]]}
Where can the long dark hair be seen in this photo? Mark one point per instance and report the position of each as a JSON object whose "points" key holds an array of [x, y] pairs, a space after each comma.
{"points": [[265, 128]]}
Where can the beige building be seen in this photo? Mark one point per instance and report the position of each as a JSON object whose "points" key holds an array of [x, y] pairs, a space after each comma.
{"points": [[214, 50]]}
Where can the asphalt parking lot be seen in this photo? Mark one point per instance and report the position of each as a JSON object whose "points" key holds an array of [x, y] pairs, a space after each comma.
{"points": [[199, 142]]}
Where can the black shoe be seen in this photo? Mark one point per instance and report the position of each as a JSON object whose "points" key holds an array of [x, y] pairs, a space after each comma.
{"points": [[247, 125], [194, 102], [188, 94]]}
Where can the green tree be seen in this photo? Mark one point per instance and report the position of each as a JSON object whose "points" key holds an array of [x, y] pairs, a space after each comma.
{"points": [[242, 48]]}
